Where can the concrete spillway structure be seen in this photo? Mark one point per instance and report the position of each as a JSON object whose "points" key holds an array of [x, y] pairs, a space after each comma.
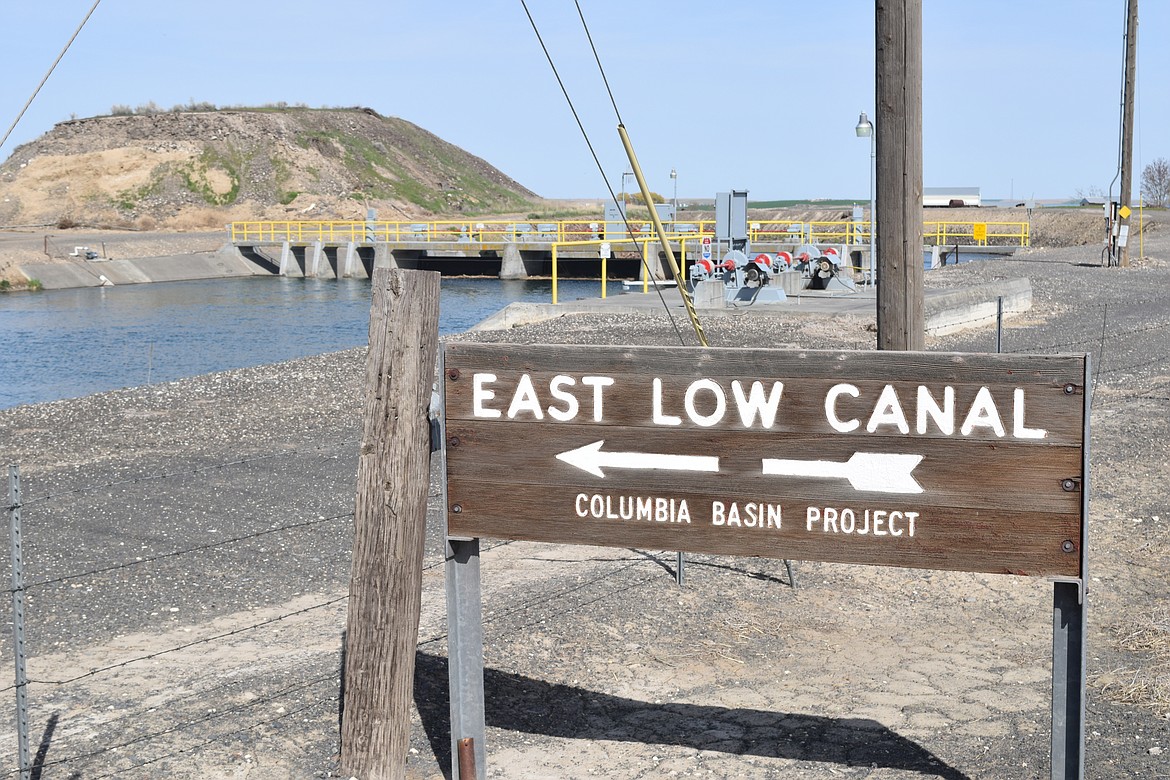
{"points": [[507, 260]]}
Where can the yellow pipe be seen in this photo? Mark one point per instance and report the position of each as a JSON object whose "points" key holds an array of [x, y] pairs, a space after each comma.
{"points": [[645, 266], [604, 282], [661, 231], [554, 265]]}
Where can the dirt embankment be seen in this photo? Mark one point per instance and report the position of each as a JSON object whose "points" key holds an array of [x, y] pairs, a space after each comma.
{"points": [[190, 170]]}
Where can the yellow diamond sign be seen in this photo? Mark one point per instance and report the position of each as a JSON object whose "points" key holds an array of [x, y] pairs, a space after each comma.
{"points": [[1124, 211]]}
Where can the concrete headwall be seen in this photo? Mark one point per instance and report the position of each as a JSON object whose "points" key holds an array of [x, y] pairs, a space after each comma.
{"points": [[975, 306], [225, 263]]}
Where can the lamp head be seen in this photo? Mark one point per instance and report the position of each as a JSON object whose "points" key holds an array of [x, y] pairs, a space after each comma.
{"points": [[864, 126]]}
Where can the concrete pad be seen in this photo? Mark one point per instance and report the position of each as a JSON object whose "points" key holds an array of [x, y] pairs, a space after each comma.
{"points": [[946, 310], [180, 268], [950, 311], [60, 276], [120, 271]]}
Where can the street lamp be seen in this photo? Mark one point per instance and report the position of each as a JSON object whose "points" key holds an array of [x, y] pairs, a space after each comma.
{"points": [[865, 130], [674, 181]]}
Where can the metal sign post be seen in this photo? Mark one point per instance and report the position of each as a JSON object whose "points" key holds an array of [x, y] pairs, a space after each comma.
{"points": [[957, 462]]}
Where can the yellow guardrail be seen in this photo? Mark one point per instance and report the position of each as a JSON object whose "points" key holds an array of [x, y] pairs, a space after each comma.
{"points": [[519, 231], [496, 231], [977, 233], [643, 242]]}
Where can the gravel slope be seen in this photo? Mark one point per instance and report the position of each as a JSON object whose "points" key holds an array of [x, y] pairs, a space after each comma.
{"points": [[598, 665]]}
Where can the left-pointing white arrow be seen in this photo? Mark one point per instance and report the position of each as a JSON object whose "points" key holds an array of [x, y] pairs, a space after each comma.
{"points": [[590, 458]]}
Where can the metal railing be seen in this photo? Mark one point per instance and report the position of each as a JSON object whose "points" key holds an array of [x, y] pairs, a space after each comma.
{"points": [[643, 243], [977, 233], [847, 232]]}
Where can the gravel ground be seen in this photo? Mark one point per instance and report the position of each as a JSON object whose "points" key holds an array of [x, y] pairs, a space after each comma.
{"points": [[597, 664]]}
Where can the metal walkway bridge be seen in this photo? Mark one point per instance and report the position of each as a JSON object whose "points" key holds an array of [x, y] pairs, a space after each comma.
{"points": [[514, 248]]}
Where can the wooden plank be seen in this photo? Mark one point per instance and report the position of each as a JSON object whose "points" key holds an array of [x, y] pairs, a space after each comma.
{"points": [[990, 468], [1023, 543], [975, 476], [791, 363], [632, 398]]}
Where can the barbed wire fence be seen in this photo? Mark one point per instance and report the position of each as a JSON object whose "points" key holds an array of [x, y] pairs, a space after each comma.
{"points": [[144, 728], [140, 704], [135, 704]]}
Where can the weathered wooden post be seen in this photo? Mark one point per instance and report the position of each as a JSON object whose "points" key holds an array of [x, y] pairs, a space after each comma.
{"points": [[389, 524]]}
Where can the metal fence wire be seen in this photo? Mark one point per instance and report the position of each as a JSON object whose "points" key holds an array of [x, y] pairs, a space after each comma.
{"points": [[143, 689], [142, 686], [154, 625]]}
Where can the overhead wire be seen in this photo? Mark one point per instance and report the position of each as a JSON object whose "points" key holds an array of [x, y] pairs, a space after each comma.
{"points": [[596, 159], [597, 59], [48, 73], [628, 145]]}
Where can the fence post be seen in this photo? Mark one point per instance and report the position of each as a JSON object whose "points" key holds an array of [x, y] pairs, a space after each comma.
{"points": [[18, 620], [999, 324], [389, 524]]}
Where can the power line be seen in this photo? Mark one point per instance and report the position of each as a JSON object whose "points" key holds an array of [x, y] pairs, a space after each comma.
{"points": [[52, 67], [596, 160], [597, 59]]}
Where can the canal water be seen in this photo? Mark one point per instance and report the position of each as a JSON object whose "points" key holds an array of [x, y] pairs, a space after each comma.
{"points": [[70, 343]]}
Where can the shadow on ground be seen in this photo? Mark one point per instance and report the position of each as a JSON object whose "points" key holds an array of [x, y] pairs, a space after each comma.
{"points": [[522, 704]]}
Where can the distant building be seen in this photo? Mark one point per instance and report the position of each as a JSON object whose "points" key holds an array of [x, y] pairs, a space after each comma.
{"points": [[951, 196]]}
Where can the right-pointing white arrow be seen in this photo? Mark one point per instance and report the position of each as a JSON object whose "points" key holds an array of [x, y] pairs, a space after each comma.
{"points": [[881, 472]]}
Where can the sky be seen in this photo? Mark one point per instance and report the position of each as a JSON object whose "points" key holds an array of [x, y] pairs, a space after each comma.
{"points": [[1021, 98]]}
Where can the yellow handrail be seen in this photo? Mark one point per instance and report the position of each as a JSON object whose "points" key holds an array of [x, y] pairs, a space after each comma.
{"points": [[564, 232], [644, 250]]}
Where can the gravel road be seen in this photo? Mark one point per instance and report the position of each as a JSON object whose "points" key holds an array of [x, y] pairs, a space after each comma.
{"points": [[224, 659]]}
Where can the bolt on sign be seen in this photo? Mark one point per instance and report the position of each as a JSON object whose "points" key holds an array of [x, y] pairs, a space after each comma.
{"points": [[963, 462]]}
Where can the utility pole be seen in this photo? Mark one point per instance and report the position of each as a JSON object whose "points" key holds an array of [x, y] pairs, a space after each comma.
{"points": [[1131, 25], [898, 127]]}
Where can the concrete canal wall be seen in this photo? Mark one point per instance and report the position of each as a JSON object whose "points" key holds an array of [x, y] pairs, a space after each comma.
{"points": [[225, 263]]}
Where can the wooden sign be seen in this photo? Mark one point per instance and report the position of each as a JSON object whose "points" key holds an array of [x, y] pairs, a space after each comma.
{"points": [[964, 462]]}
